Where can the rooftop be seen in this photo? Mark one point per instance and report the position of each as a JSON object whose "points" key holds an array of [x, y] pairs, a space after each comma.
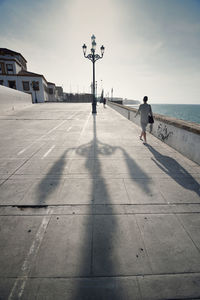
{"points": [[4, 51]]}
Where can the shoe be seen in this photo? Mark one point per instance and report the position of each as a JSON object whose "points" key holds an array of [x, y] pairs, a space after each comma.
{"points": [[141, 139]]}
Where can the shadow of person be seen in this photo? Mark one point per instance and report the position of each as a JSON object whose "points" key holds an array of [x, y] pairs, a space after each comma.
{"points": [[172, 168], [136, 172]]}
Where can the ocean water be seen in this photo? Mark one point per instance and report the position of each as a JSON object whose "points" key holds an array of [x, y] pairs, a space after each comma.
{"points": [[187, 112]]}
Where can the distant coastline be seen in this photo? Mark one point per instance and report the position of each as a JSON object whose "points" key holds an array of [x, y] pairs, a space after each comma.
{"points": [[186, 112], [131, 102]]}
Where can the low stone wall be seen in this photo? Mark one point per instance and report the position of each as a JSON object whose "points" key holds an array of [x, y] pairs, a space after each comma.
{"points": [[180, 135], [11, 100]]}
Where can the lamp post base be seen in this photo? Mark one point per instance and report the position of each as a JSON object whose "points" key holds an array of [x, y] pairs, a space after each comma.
{"points": [[94, 110]]}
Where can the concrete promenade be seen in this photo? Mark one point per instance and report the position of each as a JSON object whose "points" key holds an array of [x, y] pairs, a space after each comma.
{"points": [[89, 212]]}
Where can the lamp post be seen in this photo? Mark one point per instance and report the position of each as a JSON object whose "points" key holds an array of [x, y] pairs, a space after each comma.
{"points": [[96, 96], [112, 94], [93, 57]]}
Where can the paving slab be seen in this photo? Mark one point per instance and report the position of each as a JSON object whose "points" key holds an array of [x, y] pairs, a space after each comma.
{"points": [[81, 166], [187, 208], [118, 247], [110, 191], [6, 285], [45, 166], [51, 151], [66, 248], [16, 235], [13, 191], [141, 191], [169, 247], [43, 192], [89, 212], [7, 167], [191, 223], [119, 166], [76, 191], [82, 288], [180, 190], [180, 286]]}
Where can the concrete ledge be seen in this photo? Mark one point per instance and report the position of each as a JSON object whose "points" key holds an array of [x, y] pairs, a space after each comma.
{"points": [[12, 100], [181, 135]]}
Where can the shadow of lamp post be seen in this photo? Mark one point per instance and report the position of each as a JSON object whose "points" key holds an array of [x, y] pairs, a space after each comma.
{"points": [[93, 57]]}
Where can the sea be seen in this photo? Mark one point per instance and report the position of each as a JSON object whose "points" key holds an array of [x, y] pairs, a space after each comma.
{"points": [[186, 112]]}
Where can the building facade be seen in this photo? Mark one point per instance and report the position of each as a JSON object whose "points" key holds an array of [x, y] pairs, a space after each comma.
{"points": [[59, 93], [14, 74]]}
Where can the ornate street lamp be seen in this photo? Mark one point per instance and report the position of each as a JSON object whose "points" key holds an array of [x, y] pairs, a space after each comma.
{"points": [[93, 57]]}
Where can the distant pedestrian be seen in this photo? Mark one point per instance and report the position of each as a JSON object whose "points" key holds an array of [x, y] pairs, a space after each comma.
{"points": [[104, 102], [145, 111]]}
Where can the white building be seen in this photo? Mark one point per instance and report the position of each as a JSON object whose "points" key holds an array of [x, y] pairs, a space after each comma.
{"points": [[52, 91], [59, 93], [14, 74]]}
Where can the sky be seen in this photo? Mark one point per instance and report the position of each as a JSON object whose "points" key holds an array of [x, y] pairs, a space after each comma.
{"points": [[152, 47]]}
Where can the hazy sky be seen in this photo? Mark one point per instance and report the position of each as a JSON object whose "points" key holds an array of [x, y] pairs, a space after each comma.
{"points": [[152, 47]]}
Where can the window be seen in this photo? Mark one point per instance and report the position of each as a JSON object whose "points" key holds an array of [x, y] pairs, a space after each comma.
{"points": [[9, 68], [2, 68], [1, 82], [12, 84], [50, 91], [26, 85], [35, 85]]}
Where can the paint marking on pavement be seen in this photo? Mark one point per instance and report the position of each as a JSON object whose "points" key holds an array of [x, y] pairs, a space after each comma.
{"points": [[69, 128], [22, 151], [47, 153], [50, 131], [20, 283]]}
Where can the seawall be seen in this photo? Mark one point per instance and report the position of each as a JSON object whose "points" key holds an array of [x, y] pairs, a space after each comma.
{"points": [[12, 100], [180, 135]]}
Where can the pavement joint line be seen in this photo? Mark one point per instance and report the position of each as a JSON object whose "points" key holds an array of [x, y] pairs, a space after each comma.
{"points": [[96, 214], [19, 284], [190, 237], [98, 204], [96, 176], [107, 276], [125, 187], [20, 166], [139, 287]]}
